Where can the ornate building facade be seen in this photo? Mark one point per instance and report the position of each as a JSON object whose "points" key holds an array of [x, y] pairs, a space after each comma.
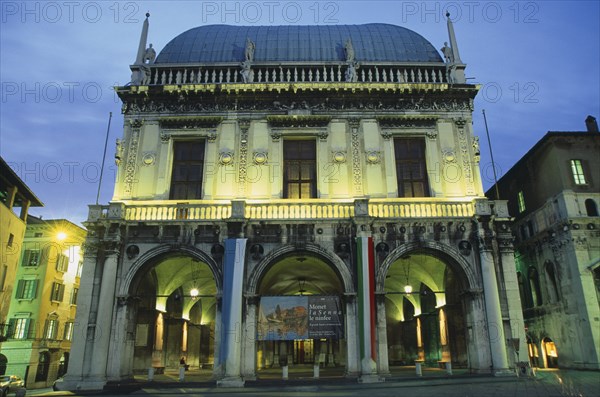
{"points": [[307, 195], [554, 192]]}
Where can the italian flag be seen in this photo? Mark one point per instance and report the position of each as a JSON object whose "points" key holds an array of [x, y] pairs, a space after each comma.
{"points": [[366, 297]]}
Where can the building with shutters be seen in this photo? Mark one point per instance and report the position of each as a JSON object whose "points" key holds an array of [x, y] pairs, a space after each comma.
{"points": [[16, 198], [554, 193], [44, 301], [300, 195]]}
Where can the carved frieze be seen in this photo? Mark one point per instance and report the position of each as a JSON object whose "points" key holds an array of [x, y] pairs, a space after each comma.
{"points": [[166, 105]]}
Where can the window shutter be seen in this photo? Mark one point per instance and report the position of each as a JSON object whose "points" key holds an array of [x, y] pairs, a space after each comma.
{"points": [[34, 289], [9, 333], [19, 292], [26, 258], [55, 330], [46, 325], [61, 292], [29, 332]]}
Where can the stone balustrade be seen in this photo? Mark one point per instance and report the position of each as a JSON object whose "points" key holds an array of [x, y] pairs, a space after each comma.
{"points": [[282, 209], [180, 75]]}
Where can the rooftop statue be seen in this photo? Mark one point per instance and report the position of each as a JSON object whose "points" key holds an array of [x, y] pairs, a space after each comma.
{"points": [[149, 55], [250, 46], [447, 51], [349, 49]]}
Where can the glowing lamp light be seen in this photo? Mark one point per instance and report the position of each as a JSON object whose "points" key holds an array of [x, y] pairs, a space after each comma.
{"points": [[407, 289], [194, 293], [61, 236]]}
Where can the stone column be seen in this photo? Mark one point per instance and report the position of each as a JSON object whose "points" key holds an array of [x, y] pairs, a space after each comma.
{"points": [[159, 329], [122, 344], [352, 341], [443, 323], [492, 303], [383, 367], [82, 334], [249, 339], [420, 347], [511, 285], [217, 369], [104, 317]]}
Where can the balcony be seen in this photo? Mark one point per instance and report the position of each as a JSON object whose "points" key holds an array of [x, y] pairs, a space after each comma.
{"points": [[285, 209]]}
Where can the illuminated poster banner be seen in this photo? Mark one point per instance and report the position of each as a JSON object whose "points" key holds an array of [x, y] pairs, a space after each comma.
{"points": [[300, 317]]}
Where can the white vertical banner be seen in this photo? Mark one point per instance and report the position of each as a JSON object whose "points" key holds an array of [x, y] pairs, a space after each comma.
{"points": [[233, 284]]}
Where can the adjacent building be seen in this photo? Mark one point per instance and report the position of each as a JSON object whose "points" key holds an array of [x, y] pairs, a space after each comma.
{"points": [[16, 200], [554, 194], [44, 301], [296, 195]]}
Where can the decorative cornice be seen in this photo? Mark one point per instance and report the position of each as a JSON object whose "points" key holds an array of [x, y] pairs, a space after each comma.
{"points": [[190, 122], [298, 121], [406, 122]]}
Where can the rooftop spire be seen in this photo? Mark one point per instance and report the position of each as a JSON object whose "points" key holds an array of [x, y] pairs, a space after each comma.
{"points": [[452, 38], [143, 39]]}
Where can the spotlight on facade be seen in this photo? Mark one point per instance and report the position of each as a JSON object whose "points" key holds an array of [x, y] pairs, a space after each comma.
{"points": [[61, 236]]}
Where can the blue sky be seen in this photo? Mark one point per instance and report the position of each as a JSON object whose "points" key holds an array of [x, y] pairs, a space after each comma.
{"points": [[538, 64]]}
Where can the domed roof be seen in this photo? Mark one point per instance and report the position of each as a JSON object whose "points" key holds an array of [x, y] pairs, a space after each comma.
{"points": [[374, 42]]}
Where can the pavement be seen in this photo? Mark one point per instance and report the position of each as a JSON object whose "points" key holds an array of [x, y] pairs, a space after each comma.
{"points": [[401, 382]]}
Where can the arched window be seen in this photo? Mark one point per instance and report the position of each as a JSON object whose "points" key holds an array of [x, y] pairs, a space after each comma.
{"points": [[551, 282], [43, 366], [591, 208], [534, 286]]}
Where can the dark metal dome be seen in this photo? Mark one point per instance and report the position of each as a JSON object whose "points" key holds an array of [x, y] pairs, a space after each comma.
{"points": [[375, 42]]}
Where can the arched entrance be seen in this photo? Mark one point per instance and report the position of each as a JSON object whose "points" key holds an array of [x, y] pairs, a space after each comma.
{"points": [[301, 313], [425, 308], [172, 302]]}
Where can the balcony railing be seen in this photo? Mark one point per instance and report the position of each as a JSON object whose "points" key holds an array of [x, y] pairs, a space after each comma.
{"points": [[284, 210], [227, 74], [432, 209]]}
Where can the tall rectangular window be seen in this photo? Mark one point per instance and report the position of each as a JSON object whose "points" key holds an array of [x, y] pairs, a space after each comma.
{"points": [[411, 169], [74, 293], [31, 257], [3, 277], [58, 292], [26, 289], [19, 328], [188, 167], [51, 329], [521, 201], [62, 263], [577, 170], [299, 169], [68, 334]]}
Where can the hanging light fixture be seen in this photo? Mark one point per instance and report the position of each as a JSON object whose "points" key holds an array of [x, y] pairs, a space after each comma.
{"points": [[194, 293], [301, 284], [407, 287]]}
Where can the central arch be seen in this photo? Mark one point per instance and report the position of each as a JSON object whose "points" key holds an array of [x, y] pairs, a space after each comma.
{"points": [[291, 284]]}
